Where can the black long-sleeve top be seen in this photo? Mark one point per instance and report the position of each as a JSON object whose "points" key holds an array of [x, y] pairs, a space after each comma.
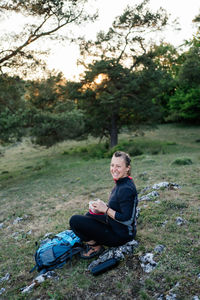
{"points": [[123, 200]]}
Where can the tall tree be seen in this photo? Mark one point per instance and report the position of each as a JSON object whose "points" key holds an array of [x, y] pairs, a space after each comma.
{"points": [[11, 107], [124, 96], [44, 19], [127, 38], [113, 96], [185, 103]]}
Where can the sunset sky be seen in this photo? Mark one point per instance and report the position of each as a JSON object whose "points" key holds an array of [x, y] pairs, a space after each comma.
{"points": [[63, 57]]}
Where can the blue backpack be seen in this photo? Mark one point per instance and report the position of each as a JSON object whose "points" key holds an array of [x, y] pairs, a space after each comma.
{"points": [[53, 253]]}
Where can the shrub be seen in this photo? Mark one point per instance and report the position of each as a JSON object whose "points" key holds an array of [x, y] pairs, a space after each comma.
{"points": [[182, 161]]}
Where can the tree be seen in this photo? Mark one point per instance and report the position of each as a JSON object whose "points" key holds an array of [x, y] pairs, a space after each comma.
{"points": [[126, 39], [11, 107], [185, 103], [113, 96], [45, 19], [51, 116], [124, 97]]}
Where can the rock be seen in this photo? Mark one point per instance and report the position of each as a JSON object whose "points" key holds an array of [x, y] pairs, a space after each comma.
{"points": [[171, 296], [161, 297], [180, 221], [15, 235], [29, 232], [195, 298], [17, 220], [137, 212], [1, 225], [115, 252], [159, 248], [39, 279], [162, 185], [2, 290], [164, 223], [48, 234], [157, 202], [149, 196], [147, 262], [5, 278]]}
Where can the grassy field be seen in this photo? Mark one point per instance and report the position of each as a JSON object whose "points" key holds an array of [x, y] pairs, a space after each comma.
{"points": [[44, 187]]}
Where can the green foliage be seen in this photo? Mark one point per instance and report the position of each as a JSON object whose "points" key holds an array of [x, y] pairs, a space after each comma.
{"points": [[184, 105], [120, 99], [47, 18], [11, 126], [135, 147], [50, 128], [11, 108], [182, 161]]}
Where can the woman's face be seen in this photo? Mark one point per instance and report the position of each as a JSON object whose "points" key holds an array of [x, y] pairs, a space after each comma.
{"points": [[118, 168]]}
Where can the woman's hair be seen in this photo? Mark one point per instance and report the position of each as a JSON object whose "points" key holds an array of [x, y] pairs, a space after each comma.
{"points": [[126, 158]]}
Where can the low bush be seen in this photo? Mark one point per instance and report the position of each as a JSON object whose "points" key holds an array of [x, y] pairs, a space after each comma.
{"points": [[182, 161]]}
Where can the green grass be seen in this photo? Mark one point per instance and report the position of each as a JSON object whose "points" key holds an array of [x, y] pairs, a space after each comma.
{"points": [[46, 186]]}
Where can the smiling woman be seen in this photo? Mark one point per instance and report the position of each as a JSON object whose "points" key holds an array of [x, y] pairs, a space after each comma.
{"points": [[111, 224]]}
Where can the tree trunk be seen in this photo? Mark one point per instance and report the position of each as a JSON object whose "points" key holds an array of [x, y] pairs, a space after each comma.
{"points": [[113, 131]]}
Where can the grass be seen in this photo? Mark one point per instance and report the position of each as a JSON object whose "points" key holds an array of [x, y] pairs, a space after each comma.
{"points": [[46, 186]]}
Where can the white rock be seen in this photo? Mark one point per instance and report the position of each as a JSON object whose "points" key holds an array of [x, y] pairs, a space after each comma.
{"points": [[171, 296], [5, 278], [28, 288], [147, 262], [180, 221], [159, 248], [17, 220], [149, 196], [2, 290]]}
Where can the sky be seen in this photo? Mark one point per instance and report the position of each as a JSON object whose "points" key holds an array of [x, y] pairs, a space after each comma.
{"points": [[63, 57]]}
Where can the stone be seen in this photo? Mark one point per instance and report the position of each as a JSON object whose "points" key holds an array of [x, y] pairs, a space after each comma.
{"points": [[48, 234], [180, 221], [1, 225], [29, 232], [17, 220], [39, 279], [164, 223], [171, 296], [147, 262], [5, 278], [2, 290], [115, 252], [159, 248], [149, 197]]}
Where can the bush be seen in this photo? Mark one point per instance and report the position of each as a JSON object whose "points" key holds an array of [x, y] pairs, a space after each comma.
{"points": [[182, 161], [50, 128]]}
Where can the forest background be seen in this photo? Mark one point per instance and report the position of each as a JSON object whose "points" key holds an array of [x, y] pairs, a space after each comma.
{"points": [[129, 81]]}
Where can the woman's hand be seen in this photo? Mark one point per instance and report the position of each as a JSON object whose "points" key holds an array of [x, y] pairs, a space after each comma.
{"points": [[100, 206]]}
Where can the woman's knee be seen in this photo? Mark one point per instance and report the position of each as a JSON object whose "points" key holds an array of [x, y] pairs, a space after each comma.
{"points": [[73, 220]]}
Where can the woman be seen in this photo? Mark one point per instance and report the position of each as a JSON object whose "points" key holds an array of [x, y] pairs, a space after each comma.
{"points": [[113, 224]]}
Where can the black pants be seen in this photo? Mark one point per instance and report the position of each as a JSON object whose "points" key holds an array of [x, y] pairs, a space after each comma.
{"points": [[89, 227]]}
